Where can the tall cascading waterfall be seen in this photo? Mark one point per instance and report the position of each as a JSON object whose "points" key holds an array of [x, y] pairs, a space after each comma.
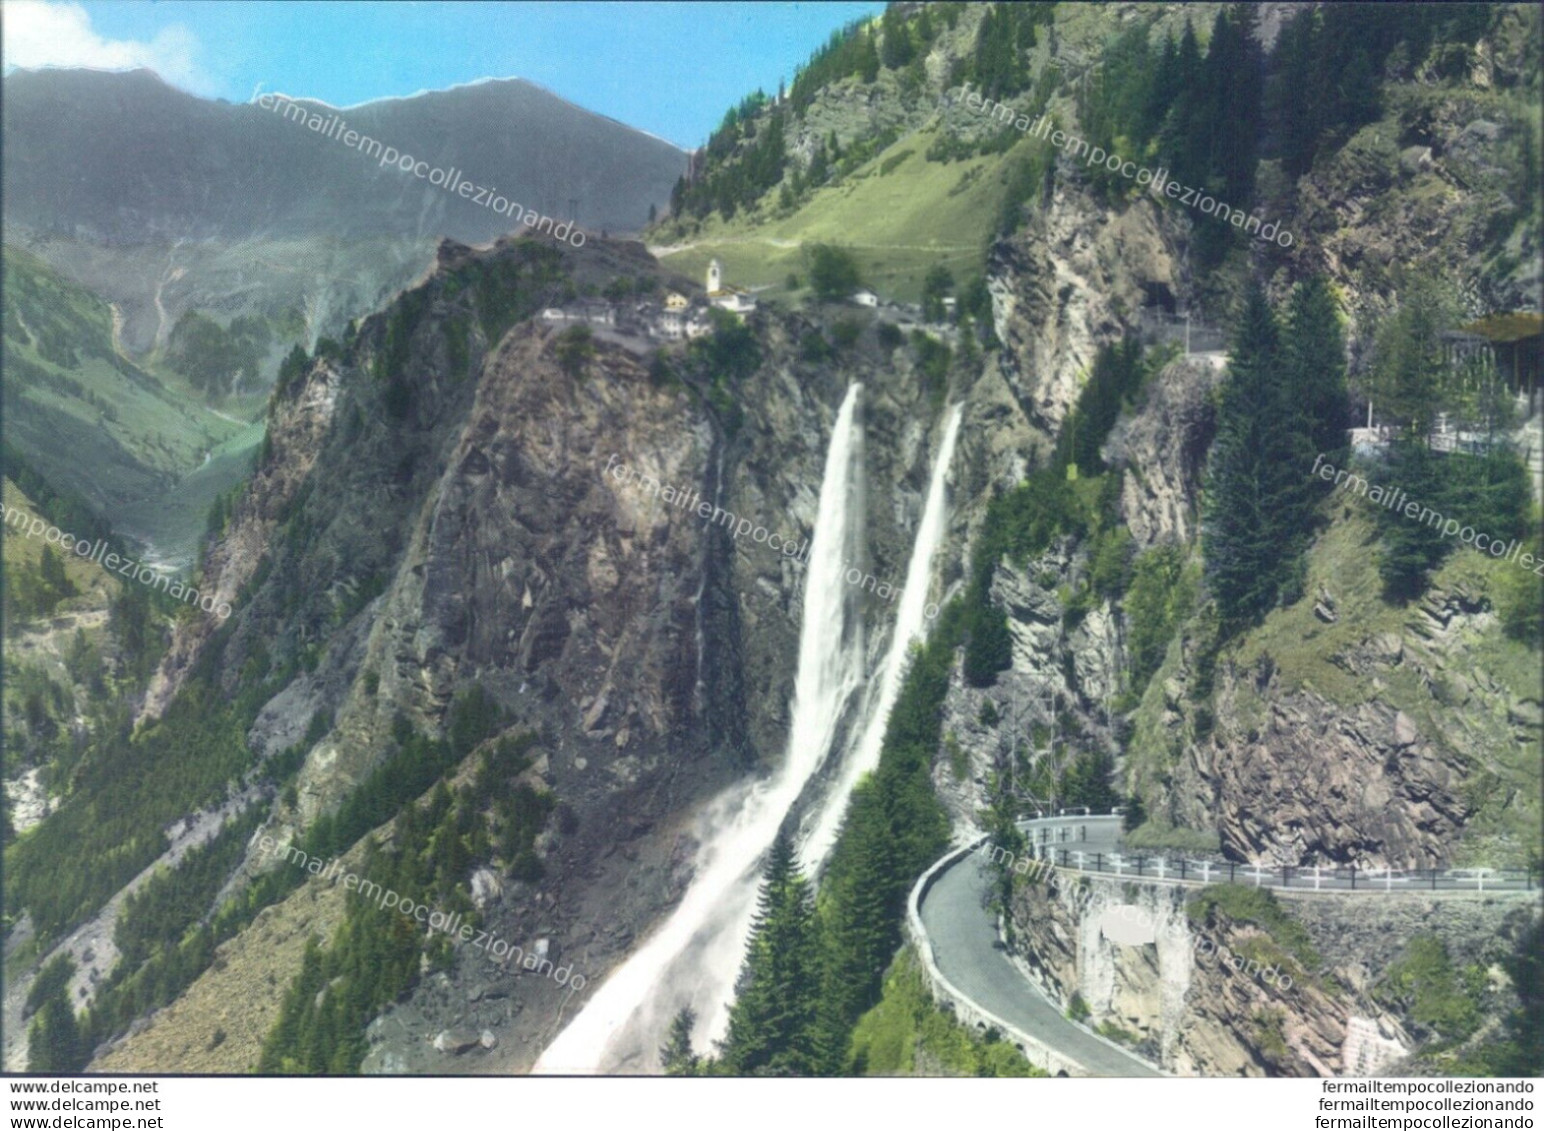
{"points": [[695, 957], [863, 757]]}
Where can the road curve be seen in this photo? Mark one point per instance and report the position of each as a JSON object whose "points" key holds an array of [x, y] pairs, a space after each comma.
{"points": [[963, 937], [949, 906]]}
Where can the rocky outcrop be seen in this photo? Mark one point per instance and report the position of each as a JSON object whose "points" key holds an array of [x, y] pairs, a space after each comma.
{"points": [[1162, 447], [1072, 281], [1199, 994], [1387, 742], [1319, 784]]}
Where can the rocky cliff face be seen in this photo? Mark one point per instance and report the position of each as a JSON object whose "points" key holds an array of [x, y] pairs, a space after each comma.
{"points": [[438, 511], [1073, 280], [1163, 448], [1347, 731], [1203, 994]]}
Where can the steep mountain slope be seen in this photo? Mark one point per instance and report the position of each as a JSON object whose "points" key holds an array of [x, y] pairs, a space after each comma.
{"points": [[68, 390], [163, 202], [647, 654], [434, 570]]}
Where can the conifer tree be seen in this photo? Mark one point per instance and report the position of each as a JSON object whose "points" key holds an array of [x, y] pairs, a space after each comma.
{"points": [[1296, 100], [1314, 349], [1409, 367], [1410, 549], [1178, 140], [868, 58], [54, 1041], [997, 68], [676, 1056], [896, 49], [1239, 86], [1164, 90], [1251, 500], [855, 941], [772, 1022], [925, 30]]}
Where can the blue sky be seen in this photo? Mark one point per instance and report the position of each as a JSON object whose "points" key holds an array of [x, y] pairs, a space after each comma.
{"points": [[670, 69]]}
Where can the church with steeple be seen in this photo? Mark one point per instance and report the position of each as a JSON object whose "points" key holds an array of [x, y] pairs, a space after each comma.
{"points": [[735, 299]]}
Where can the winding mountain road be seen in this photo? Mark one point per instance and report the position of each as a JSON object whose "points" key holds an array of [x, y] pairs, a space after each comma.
{"points": [[960, 933], [963, 935]]}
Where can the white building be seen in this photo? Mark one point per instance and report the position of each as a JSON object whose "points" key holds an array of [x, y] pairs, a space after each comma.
{"points": [[865, 297], [733, 299], [597, 313], [737, 300], [670, 325]]}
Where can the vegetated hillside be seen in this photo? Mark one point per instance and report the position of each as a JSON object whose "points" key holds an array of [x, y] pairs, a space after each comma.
{"points": [[69, 392], [1271, 673], [431, 520], [881, 152], [164, 203], [434, 579]]}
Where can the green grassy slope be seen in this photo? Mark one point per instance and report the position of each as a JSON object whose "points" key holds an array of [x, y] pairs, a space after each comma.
{"points": [[1310, 655], [898, 223], [91, 421], [20, 552]]}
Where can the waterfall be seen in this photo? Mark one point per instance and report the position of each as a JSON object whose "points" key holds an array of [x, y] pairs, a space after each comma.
{"points": [[909, 624], [694, 958]]}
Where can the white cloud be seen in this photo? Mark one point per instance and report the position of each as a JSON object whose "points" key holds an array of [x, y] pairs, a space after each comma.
{"points": [[42, 34]]}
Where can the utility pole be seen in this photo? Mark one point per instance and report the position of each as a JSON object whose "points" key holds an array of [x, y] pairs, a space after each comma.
{"points": [[1054, 777]]}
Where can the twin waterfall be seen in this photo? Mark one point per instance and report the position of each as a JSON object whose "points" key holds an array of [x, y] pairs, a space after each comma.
{"points": [[908, 627], [694, 958]]}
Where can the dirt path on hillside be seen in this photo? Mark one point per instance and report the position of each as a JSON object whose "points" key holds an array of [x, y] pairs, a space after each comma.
{"points": [[660, 251]]}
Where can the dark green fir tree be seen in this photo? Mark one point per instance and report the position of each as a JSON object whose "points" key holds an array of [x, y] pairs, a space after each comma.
{"points": [[772, 1022]]}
